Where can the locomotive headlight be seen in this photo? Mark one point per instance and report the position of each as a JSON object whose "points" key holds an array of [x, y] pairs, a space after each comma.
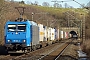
{"points": [[24, 40], [9, 40]]}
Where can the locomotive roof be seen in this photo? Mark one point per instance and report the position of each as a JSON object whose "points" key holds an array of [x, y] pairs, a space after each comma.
{"points": [[22, 22]]}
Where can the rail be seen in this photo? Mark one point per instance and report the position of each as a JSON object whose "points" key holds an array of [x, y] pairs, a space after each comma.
{"points": [[54, 54]]}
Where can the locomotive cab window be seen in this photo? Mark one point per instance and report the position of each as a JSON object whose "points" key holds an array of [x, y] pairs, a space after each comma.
{"points": [[11, 28], [21, 28]]}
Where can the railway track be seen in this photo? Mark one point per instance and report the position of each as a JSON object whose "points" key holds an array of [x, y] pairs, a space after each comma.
{"points": [[38, 53], [55, 55], [7, 57], [61, 52], [30, 54], [48, 52], [44, 53]]}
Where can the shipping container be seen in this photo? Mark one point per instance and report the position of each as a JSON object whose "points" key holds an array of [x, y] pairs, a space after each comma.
{"points": [[49, 33], [41, 32], [66, 35], [45, 33], [62, 34], [52, 34], [58, 34]]}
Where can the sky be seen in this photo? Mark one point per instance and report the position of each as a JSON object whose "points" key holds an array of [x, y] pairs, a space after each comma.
{"points": [[70, 3]]}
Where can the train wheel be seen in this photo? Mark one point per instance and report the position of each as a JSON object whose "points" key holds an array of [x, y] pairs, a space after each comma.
{"points": [[34, 47], [40, 46], [24, 50], [29, 49], [47, 44]]}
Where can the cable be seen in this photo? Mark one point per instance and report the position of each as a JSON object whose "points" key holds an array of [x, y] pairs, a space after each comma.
{"points": [[78, 3]]}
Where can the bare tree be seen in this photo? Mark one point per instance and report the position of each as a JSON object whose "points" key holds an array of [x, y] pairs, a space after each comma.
{"points": [[12, 0], [56, 5], [1, 5], [22, 2], [3, 10], [60, 6], [36, 3], [7, 0], [28, 2], [66, 5], [46, 4]]}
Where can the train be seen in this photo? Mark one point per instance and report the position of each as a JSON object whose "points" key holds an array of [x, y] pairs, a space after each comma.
{"points": [[26, 35]]}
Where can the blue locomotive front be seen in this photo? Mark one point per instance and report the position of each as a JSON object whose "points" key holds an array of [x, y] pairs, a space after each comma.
{"points": [[20, 35]]}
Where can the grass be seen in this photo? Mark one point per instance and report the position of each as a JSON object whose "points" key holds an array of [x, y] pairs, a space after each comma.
{"points": [[49, 9], [86, 47]]}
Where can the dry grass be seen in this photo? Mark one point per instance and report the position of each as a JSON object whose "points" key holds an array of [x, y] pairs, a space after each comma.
{"points": [[86, 47]]}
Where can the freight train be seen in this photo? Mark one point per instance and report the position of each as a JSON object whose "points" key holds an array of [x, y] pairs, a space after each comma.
{"points": [[26, 35]]}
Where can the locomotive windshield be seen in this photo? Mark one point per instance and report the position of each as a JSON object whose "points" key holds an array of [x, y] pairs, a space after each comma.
{"points": [[19, 28], [11, 28]]}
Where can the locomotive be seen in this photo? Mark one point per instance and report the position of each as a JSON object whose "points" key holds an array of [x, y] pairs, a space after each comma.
{"points": [[21, 35]]}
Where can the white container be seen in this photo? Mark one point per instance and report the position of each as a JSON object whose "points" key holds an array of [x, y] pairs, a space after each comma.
{"points": [[62, 34], [45, 33], [41, 32], [70, 35], [49, 33], [52, 34], [58, 32]]}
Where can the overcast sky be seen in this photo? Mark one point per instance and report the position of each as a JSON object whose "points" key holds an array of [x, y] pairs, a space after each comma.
{"points": [[71, 3]]}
